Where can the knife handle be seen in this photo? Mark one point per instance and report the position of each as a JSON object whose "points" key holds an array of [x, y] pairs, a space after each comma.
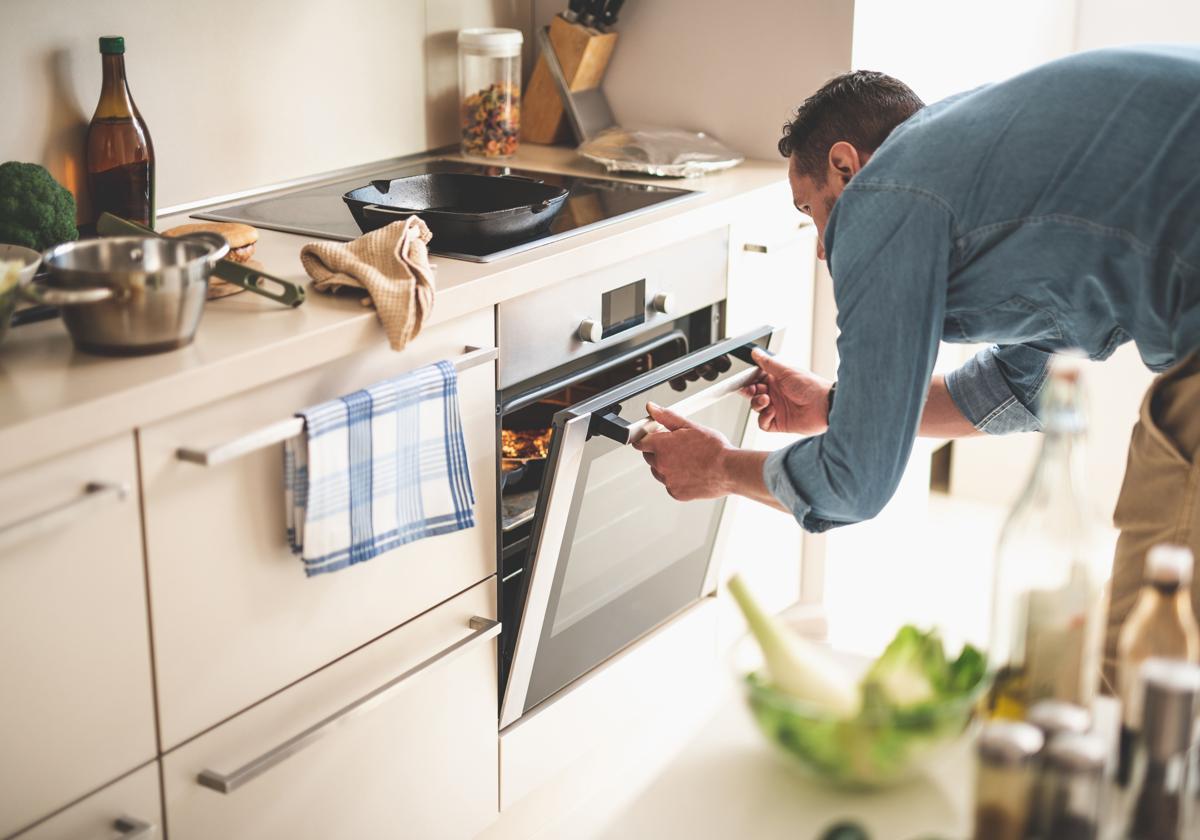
{"points": [[259, 282]]}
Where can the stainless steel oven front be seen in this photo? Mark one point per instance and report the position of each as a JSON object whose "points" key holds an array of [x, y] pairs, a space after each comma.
{"points": [[594, 553]]}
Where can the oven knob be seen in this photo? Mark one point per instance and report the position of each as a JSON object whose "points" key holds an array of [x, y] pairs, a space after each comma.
{"points": [[590, 331], [663, 303]]}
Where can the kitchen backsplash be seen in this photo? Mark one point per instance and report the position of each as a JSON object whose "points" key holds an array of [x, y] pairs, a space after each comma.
{"points": [[241, 94], [735, 70]]}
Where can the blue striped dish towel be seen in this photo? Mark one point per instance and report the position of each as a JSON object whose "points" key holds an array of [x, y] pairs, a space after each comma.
{"points": [[376, 469]]}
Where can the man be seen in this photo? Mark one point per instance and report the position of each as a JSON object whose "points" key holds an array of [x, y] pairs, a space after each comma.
{"points": [[1059, 209]]}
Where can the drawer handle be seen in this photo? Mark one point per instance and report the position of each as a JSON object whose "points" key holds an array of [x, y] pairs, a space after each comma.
{"points": [[132, 829], [293, 426], [485, 628], [94, 494], [768, 247]]}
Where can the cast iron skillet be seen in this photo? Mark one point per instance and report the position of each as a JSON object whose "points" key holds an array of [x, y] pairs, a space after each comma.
{"points": [[460, 209]]}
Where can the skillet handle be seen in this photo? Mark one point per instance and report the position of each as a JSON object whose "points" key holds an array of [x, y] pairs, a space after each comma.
{"points": [[261, 283]]}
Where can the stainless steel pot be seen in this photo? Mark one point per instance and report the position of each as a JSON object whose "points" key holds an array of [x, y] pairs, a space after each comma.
{"points": [[130, 295]]}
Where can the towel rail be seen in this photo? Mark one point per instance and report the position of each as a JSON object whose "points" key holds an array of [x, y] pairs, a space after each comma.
{"points": [[293, 426]]}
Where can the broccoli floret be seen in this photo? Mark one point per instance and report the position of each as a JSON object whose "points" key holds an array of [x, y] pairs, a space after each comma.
{"points": [[35, 210]]}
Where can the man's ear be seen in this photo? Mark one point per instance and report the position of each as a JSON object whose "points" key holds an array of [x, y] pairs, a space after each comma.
{"points": [[845, 161]]}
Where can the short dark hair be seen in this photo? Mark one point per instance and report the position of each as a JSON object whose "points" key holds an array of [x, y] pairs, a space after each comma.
{"points": [[861, 107]]}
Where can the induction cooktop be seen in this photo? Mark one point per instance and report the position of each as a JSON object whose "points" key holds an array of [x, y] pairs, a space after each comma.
{"points": [[320, 212]]}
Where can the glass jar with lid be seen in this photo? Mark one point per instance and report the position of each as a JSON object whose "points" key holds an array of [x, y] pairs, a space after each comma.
{"points": [[489, 85]]}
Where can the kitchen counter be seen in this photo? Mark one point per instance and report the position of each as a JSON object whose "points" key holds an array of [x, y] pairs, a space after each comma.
{"points": [[54, 399], [730, 782]]}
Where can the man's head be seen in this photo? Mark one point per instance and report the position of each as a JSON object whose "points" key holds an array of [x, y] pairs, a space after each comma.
{"points": [[834, 134]]}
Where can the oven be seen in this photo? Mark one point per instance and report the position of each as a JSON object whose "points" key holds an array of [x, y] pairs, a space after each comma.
{"points": [[593, 552]]}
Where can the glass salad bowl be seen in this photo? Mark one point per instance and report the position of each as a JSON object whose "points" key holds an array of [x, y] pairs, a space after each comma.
{"points": [[909, 706]]}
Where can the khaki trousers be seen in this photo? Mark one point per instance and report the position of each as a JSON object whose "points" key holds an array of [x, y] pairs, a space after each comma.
{"points": [[1160, 496]]}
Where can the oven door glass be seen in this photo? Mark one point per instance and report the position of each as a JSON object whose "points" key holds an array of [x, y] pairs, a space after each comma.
{"points": [[614, 555]]}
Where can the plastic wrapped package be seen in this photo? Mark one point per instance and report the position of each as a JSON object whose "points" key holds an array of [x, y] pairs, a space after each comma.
{"points": [[666, 152]]}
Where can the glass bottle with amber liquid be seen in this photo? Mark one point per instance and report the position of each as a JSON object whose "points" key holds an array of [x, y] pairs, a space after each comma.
{"points": [[1052, 564], [120, 155]]}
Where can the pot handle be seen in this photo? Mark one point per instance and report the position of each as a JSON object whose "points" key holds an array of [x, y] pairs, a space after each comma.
{"points": [[267, 285], [38, 293]]}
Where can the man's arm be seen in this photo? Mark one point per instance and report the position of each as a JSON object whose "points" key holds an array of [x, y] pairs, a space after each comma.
{"points": [[890, 254], [942, 418], [795, 401]]}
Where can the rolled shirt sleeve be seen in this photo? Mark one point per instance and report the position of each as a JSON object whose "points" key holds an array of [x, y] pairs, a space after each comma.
{"points": [[890, 257], [997, 390]]}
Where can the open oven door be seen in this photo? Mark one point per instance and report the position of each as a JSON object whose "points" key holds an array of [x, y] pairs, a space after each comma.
{"points": [[613, 555]]}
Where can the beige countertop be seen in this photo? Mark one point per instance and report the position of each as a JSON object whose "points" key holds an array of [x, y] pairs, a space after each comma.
{"points": [[54, 399], [729, 782]]}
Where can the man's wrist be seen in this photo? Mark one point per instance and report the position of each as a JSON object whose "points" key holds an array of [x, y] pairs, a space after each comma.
{"points": [[740, 472]]}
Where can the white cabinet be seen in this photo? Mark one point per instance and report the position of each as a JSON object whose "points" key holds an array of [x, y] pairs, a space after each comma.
{"points": [[234, 616], [77, 702], [772, 263], [418, 759], [128, 809]]}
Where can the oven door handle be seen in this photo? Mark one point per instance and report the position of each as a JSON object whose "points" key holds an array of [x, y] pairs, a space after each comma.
{"points": [[612, 426]]}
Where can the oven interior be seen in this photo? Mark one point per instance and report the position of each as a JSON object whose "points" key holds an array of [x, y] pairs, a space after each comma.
{"points": [[525, 418]]}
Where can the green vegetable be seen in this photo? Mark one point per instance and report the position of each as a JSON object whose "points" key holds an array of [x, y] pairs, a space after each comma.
{"points": [[35, 210], [801, 668], [911, 699]]}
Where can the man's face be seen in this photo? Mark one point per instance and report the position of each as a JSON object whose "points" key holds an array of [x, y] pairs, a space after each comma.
{"points": [[815, 197]]}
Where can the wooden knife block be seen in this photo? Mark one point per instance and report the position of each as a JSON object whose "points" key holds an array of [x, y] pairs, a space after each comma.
{"points": [[583, 54]]}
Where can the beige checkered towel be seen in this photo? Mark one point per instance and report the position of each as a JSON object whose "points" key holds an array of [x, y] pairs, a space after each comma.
{"points": [[391, 263]]}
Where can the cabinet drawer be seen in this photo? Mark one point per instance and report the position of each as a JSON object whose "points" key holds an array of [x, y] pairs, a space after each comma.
{"points": [[128, 809], [422, 761], [234, 616], [78, 707]]}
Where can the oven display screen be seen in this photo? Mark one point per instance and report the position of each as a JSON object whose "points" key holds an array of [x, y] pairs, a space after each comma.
{"points": [[623, 308]]}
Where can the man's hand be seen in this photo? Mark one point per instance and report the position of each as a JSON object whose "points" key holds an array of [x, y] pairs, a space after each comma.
{"points": [[788, 400], [688, 459]]}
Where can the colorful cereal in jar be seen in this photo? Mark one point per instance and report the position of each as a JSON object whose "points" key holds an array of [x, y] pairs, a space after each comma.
{"points": [[491, 121]]}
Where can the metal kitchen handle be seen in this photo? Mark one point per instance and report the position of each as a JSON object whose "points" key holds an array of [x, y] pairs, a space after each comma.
{"points": [[484, 628], [134, 829], [781, 242], [293, 426], [261, 283], [622, 431], [39, 293], [53, 519]]}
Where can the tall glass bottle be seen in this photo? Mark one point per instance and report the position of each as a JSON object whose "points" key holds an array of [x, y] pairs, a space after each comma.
{"points": [[120, 155], [1051, 568], [1161, 625]]}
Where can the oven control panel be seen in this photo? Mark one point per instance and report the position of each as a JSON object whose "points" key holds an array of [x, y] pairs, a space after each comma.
{"points": [[542, 330], [621, 309]]}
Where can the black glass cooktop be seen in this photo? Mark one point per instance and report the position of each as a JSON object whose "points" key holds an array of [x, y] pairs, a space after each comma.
{"points": [[319, 211]]}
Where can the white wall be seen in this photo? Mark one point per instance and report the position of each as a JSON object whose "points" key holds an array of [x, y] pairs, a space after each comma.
{"points": [[939, 47], [1107, 23], [239, 94], [733, 70]]}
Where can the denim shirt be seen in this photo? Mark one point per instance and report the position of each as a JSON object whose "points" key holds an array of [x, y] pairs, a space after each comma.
{"points": [[1059, 209]]}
